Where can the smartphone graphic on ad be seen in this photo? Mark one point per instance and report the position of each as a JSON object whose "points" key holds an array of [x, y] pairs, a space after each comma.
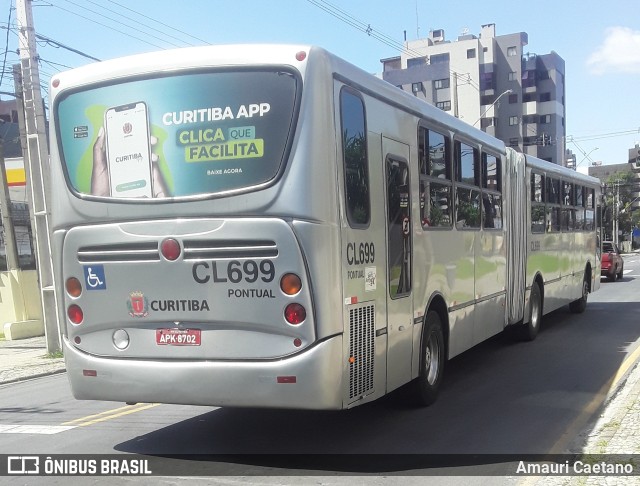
{"points": [[128, 150]]}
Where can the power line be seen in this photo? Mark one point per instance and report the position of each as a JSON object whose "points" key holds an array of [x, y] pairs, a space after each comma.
{"points": [[128, 34], [55, 43], [371, 32], [4, 61], [362, 26], [587, 138], [160, 23], [121, 21]]}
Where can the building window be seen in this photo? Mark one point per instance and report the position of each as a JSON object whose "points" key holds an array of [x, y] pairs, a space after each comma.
{"points": [[512, 51], [513, 76], [438, 58], [441, 83], [471, 53], [416, 87], [416, 61], [444, 105], [487, 81], [527, 119], [527, 97], [514, 142], [545, 97], [543, 74], [513, 98], [488, 122], [487, 99], [528, 79], [545, 119], [513, 120]]}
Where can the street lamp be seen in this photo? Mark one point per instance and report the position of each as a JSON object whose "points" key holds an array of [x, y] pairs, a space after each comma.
{"points": [[509, 91]]}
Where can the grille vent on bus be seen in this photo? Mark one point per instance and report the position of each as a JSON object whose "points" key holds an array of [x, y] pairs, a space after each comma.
{"points": [[120, 252], [362, 349], [205, 249]]}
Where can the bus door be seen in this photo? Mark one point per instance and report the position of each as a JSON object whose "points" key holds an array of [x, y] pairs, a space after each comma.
{"points": [[399, 254]]}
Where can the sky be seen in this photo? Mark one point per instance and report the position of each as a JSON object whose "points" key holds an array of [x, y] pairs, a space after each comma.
{"points": [[599, 41]]}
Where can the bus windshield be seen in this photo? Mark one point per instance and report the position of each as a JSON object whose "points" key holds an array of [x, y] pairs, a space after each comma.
{"points": [[177, 135]]}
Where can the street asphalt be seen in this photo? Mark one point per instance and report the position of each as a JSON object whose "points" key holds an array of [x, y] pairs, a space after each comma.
{"points": [[616, 431]]}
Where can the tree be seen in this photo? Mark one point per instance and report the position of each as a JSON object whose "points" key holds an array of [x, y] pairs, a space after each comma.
{"points": [[618, 199]]}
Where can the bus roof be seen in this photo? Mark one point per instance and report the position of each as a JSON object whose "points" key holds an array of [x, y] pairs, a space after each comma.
{"points": [[201, 57]]}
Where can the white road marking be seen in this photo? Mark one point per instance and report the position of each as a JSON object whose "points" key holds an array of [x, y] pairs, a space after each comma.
{"points": [[33, 429]]}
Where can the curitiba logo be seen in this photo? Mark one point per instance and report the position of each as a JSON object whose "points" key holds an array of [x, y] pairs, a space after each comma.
{"points": [[138, 304]]}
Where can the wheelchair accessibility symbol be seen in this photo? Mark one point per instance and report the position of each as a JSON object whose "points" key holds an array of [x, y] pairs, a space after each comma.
{"points": [[94, 277]]}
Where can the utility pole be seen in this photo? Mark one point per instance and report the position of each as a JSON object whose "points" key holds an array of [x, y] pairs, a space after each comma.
{"points": [[455, 94], [37, 167]]}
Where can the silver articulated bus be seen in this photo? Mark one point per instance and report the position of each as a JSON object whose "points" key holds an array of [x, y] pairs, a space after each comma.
{"points": [[270, 226]]}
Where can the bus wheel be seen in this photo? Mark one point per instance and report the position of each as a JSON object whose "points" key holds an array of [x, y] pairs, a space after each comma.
{"points": [[432, 360], [529, 331], [578, 306]]}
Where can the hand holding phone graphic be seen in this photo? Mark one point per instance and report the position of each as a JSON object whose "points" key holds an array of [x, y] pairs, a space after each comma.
{"points": [[128, 151]]}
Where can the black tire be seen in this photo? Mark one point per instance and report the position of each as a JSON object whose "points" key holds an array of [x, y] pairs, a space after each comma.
{"points": [[578, 306], [432, 360], [621, 273], [529, 331]]}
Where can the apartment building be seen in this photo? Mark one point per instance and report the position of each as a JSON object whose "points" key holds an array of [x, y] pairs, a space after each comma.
{"points": [[491, 82]]}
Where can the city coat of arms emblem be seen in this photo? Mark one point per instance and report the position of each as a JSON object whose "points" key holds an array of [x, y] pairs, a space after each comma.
{"points": [[138, 305]]}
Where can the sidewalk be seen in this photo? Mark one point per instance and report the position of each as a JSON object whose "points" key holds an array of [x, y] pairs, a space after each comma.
{"points": [[26, 358]]}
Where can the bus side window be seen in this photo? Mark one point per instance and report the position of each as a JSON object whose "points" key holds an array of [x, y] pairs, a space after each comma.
{"points": [[468, 207], [491, 191], [537, 203], [354, 151], [399, 227], [435, 179]]}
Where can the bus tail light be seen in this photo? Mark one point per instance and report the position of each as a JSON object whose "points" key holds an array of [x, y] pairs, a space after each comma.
{"points": [[75, 314], [170, 249], [73, 286], [295, 314], [290, 284]]}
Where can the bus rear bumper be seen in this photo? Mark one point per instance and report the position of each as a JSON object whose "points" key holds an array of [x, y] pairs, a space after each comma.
{"points": [[309, 380]]}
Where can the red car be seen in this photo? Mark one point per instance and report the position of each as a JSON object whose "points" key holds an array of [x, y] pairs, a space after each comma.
{"points": [[612, 262]]}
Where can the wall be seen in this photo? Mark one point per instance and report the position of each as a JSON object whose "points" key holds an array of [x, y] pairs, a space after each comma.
{"points": [[20, 306]]}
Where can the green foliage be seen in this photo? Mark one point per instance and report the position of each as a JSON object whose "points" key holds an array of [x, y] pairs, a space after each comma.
{"points": [[620, 187]]}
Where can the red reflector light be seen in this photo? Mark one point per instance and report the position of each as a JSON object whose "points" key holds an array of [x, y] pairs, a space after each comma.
{"points": [[74, 287], [286, 379], [75, 314], [170, 249], [295, 314], [55, 83], [89, 373], [290, 284], [301, 56]]}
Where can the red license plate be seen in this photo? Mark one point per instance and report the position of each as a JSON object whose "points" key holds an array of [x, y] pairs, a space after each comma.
{"points": [[178, 337]]}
